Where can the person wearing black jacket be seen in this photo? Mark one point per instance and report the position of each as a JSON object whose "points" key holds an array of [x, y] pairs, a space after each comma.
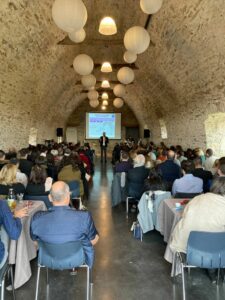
{"points": [[103, 141], [206, 176], [25, 165]]}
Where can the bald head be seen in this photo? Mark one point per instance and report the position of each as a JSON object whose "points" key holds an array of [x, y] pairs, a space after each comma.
{"points": [[60, 193], [171, 154]]}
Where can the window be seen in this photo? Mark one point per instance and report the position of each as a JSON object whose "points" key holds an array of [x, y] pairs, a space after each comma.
{"points": [[163, 129], [215, 133]]}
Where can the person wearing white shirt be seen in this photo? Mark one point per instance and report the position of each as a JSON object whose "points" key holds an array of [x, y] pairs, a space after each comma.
{"points": [[210, 160]]}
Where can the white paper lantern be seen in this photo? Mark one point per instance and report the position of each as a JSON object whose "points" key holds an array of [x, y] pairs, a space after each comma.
{"points": [[93, 95], [136, 39], [88, 81], [83, 64], [119, 90], [69, 15], [103, 107], [151, 6], [118, 102], [130, 57], [77, 36], [94, 103], [125, 75], [91, 88], [105, 103]]}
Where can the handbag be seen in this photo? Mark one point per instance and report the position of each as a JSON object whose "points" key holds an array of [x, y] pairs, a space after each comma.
{"points": [[137, 231]]}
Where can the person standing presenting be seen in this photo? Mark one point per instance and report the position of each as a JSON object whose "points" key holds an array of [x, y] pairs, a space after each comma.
{"points": [[103, 144]]}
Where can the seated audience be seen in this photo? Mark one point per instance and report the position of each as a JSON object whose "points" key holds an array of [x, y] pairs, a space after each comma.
{"points": [[12, 225], [20, 177], [206, 176], [3, 161], [11, 153], [221, 167], [8, 180], [154, 182], [116, 153], [136, 177], [205, 212], [169, 170], [162, 154], [39, 184], [180, 156], [69, 170], [124, 165], [24, 164], [188, 183], [210, 160], [198, 152], [64, 224]]}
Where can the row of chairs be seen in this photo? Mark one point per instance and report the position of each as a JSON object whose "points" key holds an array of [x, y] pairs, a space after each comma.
{"points": [[53, 256]]}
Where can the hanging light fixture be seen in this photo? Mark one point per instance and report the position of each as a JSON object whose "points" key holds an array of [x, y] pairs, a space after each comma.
{"points": [[136, 39], [94, 103], [106, 67], [129, 57], [107, 26], [119, 90], [93, 95], [150, 6], [103, 107], [77, 36], [88, 81], [118, 102], [105, 96], [83, 64], [69, 15], [105, 84], [105, 103], [125, 75]]}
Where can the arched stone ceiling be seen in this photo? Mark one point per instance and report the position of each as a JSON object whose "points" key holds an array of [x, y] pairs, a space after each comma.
{"points": [[180, 77]]}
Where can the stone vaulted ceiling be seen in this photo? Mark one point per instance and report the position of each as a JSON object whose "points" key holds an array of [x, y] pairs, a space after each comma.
{"points": [[180, 77]]}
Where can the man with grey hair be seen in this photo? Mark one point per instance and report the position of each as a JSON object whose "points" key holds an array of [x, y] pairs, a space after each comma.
{"points": [[61, 223]]}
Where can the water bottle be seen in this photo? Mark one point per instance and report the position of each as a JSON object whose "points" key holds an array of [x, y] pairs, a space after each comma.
{"points": [[11, 195], [11, 199]]}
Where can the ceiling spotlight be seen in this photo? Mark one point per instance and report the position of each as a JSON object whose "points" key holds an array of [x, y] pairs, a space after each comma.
{"points": [[107, 26], [103, 107], [105, 96], [105, 84], [106, 67], [105, 103]]}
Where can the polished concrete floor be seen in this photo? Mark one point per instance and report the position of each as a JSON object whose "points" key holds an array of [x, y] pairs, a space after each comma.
{"points": [[125, 269]]}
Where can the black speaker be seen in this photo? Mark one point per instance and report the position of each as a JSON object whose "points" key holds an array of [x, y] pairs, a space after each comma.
{"points": [[59, 132], [146, 133]]}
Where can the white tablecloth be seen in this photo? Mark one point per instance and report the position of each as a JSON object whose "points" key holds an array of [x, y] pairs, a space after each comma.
{"points": [[22, 251], [168, 217]]}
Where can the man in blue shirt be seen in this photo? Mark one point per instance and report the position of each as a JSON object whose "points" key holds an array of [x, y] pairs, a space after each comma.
{"points": [[11, 224], [188, 183], [62, 224]]}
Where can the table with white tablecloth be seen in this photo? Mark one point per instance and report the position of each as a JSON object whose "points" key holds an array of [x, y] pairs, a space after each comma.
{"points": [[22, 251], [168, 217], [148, 209]]}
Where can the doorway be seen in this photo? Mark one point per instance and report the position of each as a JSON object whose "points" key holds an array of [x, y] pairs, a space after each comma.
{"points": [[133, 132]]}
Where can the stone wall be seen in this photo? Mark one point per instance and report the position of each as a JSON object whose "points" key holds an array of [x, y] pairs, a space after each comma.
{"points": [[179, 79]]}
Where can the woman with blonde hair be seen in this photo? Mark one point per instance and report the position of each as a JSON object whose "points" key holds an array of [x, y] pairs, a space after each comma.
{"points": [[8, 180]]}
